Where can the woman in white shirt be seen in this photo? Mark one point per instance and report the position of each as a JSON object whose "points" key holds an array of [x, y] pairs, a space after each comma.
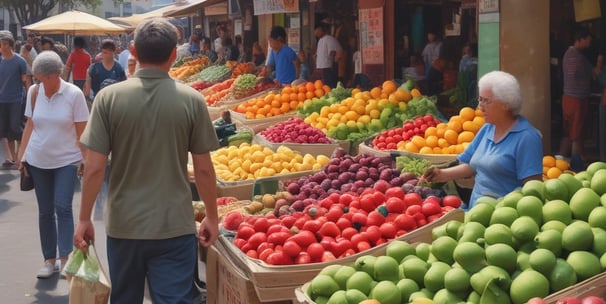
{"points": [[56, 114]]}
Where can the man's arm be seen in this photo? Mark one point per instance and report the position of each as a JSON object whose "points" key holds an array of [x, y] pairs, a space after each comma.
{"points": [[68, 68], [27, 80], [206, 184], [87, 84]]}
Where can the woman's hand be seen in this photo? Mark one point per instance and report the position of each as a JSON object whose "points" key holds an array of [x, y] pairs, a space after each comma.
{"points": [[432, 174]]}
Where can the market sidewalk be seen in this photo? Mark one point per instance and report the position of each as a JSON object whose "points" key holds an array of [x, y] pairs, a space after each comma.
{"points": [[21, 251]]}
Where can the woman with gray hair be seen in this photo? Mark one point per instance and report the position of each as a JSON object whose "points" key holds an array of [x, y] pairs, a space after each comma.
{"points": [[56, 114], [506, 152]]}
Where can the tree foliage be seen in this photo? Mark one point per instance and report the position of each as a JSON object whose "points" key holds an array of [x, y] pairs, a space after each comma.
{"points": [[30, 11]]}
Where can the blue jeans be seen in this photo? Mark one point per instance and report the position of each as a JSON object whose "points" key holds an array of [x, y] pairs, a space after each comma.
{"points": [[168, 265], [54, 190]]}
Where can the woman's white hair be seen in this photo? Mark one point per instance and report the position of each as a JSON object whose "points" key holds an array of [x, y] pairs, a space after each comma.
{"points": [[47, 63], [505, 88]]}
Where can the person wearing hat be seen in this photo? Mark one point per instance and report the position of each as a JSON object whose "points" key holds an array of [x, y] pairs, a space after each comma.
{"points": [[13, 83]]}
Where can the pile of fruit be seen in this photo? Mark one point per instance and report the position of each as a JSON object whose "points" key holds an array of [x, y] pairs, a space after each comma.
{"points": [[553, 167], [287, 100], [532, 242], [339, 226], [182, 69], [235, 163], [389, 139], [294, 130], [233, 88], [446, 138], [215, 73], [368, 112], [315, 104]]}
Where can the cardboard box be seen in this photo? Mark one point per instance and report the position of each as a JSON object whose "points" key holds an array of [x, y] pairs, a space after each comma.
{"points": [[264, 275], [226, 284]]}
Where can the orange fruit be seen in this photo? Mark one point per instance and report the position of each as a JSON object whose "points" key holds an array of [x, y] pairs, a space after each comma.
{"points": [[301, 96], [355, 91], [431, 141], [443, 143], [437, 150], [561, 164], [553, 172], [479, 120], [326, 89], [285, 107], [375, 92], [285, 98], [310, 94], [549, 161], [479, 113], [318, 84], [459, 149], [389, 87], [545, 169], [402, 95], [309, 87], [418, 141], [451, 136], [415, 93], [455, 125], [294, 105], [471, 126], [467, 113], [319, 92], [426, 150], [431, 131], [410, 147], [465, 136]]}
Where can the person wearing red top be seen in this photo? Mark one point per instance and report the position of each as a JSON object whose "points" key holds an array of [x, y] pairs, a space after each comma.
{"points": [[77, 63]]}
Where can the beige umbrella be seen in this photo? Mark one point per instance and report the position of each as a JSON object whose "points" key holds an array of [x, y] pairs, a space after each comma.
{"points": [[135, 19], [76, 23]]}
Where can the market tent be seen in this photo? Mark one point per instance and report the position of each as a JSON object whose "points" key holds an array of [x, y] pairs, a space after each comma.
{"points": [[191, 8], [135, 19], [76, 23]]}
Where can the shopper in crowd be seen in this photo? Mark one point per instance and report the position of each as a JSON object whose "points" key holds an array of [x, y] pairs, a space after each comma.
{"points": [[56, 114], [124, 55], [14, 81], [506, 152], [431, 52], [258, 54], [77, 63], [282, 59], [231, 51], [151, 234], [207, 51], [47, 44], [219, 45], [132, 66], [577, 76], [28, 53], [194, 45], [328, 53], [107, 68]]}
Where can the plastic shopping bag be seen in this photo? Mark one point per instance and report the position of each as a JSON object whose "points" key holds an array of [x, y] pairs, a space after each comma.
{"points": [[88, 282]]}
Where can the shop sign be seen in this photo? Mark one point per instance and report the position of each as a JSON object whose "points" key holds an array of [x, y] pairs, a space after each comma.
{"points": [[586, 10], [294, 39], [263, 7], [489, 6], [371, 35]]}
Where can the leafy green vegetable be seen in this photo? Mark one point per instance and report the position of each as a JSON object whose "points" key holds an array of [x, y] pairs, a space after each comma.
{"points": [[215, 73], [414, 165]]}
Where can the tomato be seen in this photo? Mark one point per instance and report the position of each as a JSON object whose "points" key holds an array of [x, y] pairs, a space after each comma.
{"points": [[264, 246], [373, 233], [327, 256], [261, 224], [340, 247], [360, 237], [303, 258], [265, 253], [315, 250], [363, 245], [279, 258], [303, 238], [300, 222], [451, 201], [388, 230], [405, 222], [345, 199], [375, 218], [413, 209], [312, 225], [412, 198], [276, 228], [329, 229], [395, 192], [239, 242], [245, 232], [334, 213], [291, 248], [430, 208], [395, 204], [380, 241], [278, 238], [367, 202], [378, 196], [288, 221], [343, 223], [252, 254], [359, 219], [256, 239], [349, 232], [433, 217]]}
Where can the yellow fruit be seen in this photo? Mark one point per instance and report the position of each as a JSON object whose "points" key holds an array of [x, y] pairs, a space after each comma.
{"points": [[451, 136], [467, 113], [418, 141], [465, 136], [549, 161], [426, 150], [471, 126], [431, 141], [431, 131], [410, 147], [561, 164], [553, 172]]}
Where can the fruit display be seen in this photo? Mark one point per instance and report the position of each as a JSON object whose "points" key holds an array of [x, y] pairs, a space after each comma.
{"points": [[315, 104], [366, 113], [294, 130], [184, 68], [215, 73], [446, 138], [411, 164], [389, 139], [245, 162], [240, 68], [233, 89], [528, 244], [340, 226], [553, 167], [287, 100]]}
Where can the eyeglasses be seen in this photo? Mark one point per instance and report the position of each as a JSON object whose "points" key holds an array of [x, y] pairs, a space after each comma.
{"points": [[484, 100]]}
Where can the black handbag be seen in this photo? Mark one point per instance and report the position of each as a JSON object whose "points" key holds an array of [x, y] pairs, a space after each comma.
{"points": [[26, 183]]}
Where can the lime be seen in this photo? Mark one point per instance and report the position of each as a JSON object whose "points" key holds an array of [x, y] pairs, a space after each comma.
{"points": [[323, 285], [442, 249], [407, 287], [415, 268], [339, 297], [542, 260], [557, 210], [524, 228], [480, 213], [555, 189], [511, 199], [355, 296], [597, 217], [444, 296], [470, 256], [527, 285], [330, 270], [457, 280], [594, 167], [504, 215], [501, 255], [584, 263], [599, 241], [361, 281], [562, 275], [399, 249], [572, 184], [577, 236], [386, 269], [343, 274], [472, 231], [551, 240], [498, 233], [366, 263], [386, 292], [535, 188], [554, 225], [434, 277], [583, 202], [452, 229], [423, 250], [531, 206], [523, 260]]}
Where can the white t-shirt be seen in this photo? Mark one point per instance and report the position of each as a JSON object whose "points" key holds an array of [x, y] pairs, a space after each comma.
{"points": [[357, 60], [326, 45], [431, 52], [219, 48], [53, 142]]}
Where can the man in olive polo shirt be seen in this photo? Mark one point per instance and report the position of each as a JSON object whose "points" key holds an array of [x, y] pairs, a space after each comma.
{"points": [[149, 123]]}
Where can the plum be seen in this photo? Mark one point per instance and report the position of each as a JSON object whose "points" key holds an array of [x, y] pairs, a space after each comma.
{"points": [[413, 181], [293, 188], [361, 175], [385, 175], [407, 176], [326, 184], [298, 205], [396, 181], [344, 177], [332, 175], [355, 168], [346, 187], [407, 187], [332, 168], [335, 184]]}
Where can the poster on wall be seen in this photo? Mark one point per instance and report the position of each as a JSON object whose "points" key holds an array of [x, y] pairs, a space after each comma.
{"points": [[371, 35], [264, 7], [586, 10]]}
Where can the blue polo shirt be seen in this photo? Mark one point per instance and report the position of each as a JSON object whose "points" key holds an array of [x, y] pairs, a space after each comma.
{"points": [[11, 81], [282, 62], [502, 166]]}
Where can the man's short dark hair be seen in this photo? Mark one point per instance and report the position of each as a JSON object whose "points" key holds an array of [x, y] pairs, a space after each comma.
{"points": [[277, 32], [79, 42], [155, 40], [47, 40], [108, 44], [323, 25], [581, 33]]}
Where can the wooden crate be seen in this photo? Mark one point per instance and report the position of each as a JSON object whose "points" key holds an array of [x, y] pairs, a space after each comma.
{"points": [[312, 149], [594, 286], [264, 275]]}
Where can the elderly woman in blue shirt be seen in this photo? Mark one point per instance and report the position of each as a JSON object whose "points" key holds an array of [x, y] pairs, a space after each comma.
{"points": [[506, 152]]}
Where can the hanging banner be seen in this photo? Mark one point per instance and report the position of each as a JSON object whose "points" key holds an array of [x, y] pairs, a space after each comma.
{"points": [[371, 35], [264, 7], [586, 10]]}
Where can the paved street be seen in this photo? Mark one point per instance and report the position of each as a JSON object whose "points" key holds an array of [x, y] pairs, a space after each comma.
{"points": [[21, 253]]}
